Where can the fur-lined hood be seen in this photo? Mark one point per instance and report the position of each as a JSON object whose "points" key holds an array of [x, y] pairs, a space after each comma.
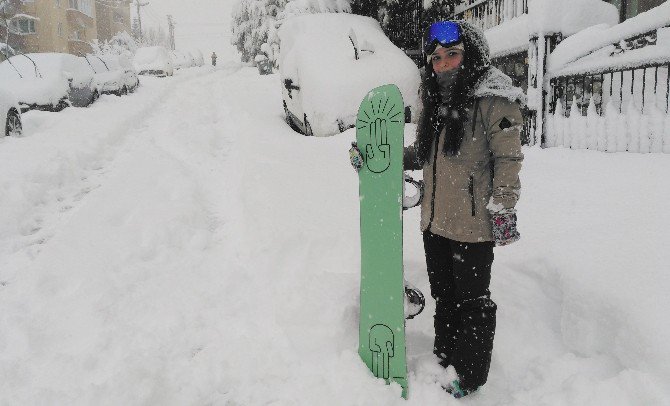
{"points": [[495, 83]]}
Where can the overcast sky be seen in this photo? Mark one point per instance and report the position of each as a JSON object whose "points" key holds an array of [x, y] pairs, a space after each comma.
{"points": [[204, 24]]}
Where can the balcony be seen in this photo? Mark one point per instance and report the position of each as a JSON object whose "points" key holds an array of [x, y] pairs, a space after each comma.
{"points": [[77, 18], [487, 14]]}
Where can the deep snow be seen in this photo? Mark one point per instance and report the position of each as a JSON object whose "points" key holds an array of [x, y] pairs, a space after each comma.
{"points": [[182, 245]]}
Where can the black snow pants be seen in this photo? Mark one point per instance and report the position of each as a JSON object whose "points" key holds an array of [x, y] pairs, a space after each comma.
{"points": [[465, 315]]}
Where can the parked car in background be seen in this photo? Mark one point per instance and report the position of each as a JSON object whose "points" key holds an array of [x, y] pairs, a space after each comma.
{"points": [[123, 64], [196, 55], [10, 113], [154, 61], [330, 61], [181, 59], [110, 77], [49, 81]]}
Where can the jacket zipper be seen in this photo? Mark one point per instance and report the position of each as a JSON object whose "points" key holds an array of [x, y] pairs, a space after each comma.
{"points": [[471, 186], [471, 190], [432, 200]]}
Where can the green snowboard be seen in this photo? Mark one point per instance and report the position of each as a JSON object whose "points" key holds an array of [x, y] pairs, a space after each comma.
{"points": [[379, 135]]}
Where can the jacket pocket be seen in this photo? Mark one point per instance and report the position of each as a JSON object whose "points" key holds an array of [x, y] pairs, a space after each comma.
{"points": [[471, 190]]}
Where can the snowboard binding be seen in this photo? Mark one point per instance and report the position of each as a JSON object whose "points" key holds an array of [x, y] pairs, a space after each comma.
{"points": [[414, 301], [414, 200]]}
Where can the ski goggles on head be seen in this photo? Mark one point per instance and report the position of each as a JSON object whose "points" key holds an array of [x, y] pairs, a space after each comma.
{"points": [[443, 33]]}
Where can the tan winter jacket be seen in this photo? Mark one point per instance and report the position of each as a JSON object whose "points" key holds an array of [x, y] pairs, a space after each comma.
{"points": [[458, 188]]}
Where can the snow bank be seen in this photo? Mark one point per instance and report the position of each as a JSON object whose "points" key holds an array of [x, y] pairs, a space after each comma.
{"points": [[629, 130], [178, 249]]}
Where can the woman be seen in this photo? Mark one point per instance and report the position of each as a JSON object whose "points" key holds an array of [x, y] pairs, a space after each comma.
{"points": [[468, 145]]}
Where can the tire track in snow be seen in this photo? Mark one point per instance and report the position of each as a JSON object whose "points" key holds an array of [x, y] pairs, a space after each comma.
{"points": [[42, 195]]}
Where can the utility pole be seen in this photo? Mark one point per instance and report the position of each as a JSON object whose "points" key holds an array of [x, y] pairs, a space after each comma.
{"points": [[171, 25], [139, 4]]}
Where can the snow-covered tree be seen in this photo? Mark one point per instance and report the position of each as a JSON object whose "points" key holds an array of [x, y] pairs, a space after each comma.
{"points": [[399, 18], [152, 36], [121, 44], [10, 41], [437, 10], [135, 29], [253, 23]]}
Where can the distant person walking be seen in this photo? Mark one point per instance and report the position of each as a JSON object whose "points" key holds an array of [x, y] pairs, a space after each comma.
{"points": [[213, 58]]}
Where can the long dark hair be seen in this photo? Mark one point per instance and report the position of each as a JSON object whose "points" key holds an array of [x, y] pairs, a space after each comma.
{"points": [[455, 110]]}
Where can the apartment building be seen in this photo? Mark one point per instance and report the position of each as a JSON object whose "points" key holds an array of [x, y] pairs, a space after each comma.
{"points": [[67, 25], [112, 17]]}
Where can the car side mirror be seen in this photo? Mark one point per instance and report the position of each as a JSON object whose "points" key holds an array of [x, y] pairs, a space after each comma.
{"points": [[290, 87]]}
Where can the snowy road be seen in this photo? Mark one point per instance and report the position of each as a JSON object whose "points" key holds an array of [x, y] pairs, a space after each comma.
{"points": [[182, 246]]}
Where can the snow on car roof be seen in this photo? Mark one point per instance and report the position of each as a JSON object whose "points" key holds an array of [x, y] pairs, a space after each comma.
{"points": [[148, 54], [48, 64]]}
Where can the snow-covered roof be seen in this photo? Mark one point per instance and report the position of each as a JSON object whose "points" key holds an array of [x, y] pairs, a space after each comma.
{"points": [[509, 37], [603, 61], [548, 17], [600, 37], [569, 16]]}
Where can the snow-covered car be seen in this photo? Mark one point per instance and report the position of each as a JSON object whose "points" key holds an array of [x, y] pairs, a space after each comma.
{"points": [[154, 61], [110, 76], [328, 62], [49, 81], [181, 60], [10, 112]]}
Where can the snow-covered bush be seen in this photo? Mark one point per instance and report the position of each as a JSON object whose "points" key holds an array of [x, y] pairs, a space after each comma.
{"points": [[121, 44], [255, 23], [630, 130]]}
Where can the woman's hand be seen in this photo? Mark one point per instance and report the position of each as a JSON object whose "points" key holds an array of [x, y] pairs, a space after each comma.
{"points": [[355, 157], [504, 227]]}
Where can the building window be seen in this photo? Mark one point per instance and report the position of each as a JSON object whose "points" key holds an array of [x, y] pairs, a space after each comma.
{"points": [[82, 5], [58, 3], [631, 8], [23, 25]]}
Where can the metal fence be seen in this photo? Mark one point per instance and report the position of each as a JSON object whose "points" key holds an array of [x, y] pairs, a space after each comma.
{"points": [[642, 85], [486, 14]]}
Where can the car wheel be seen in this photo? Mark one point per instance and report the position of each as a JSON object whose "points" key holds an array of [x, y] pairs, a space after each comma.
{"points": [[287, 115], [62, 105], [289, 120], [308, 127], [124, 91], [13, 126]]}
